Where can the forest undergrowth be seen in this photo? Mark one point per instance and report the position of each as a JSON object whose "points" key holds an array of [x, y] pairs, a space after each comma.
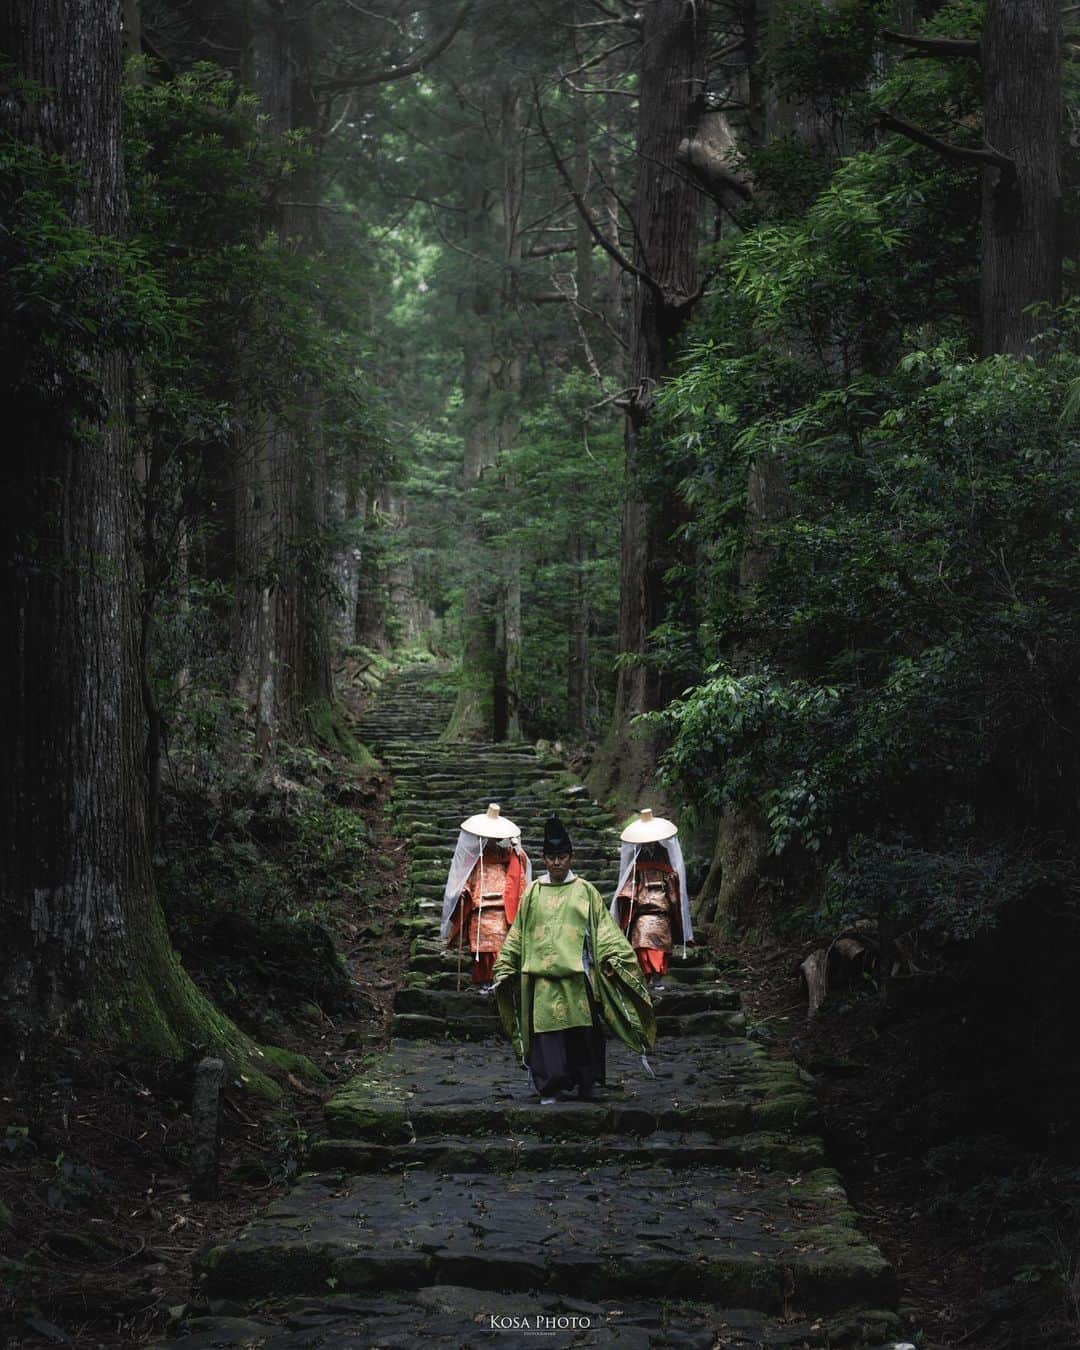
{"points": [[281, 886], [934, 1107]]}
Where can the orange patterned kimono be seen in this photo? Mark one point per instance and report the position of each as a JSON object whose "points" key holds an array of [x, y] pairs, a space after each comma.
{"points": [[650, 914], [488, 914]]}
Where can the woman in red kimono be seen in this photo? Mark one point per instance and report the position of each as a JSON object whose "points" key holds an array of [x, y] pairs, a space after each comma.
{"points": [[651, 905], [487, 879]]}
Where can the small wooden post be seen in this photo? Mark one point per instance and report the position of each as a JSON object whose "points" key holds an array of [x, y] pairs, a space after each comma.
{"points": [[815, 971], [206, 1128]]}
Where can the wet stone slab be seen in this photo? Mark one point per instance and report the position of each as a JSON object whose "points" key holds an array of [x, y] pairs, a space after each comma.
{"points": [[465, 1153], [449, 1317], [420, 1089], [753, 1240]]}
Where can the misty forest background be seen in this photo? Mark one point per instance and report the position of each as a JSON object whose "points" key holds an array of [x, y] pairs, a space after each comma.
{"points": [[698, 384]]}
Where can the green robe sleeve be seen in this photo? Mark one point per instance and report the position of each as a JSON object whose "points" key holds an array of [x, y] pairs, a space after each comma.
{"points": [[507, 978], [617, 983], [508, 961]]}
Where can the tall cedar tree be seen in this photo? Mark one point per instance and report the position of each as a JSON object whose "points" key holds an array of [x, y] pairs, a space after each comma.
{"points": [[85, 945], [665, 266]]}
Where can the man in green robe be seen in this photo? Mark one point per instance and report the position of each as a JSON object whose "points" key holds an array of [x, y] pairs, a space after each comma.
{"points": [[565, 970]]}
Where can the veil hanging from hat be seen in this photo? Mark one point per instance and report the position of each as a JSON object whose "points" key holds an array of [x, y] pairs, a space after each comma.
{"points": [[628, 857], [467, 853]]}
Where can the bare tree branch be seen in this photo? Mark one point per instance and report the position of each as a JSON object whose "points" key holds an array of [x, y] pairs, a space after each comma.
{"points": [[612, 250], [601, 89], [987, 157], [945, 48], [729, 50], [546, 250], [416, 63], [341, 120], [608, 188], [595, 60], [579, 309]]}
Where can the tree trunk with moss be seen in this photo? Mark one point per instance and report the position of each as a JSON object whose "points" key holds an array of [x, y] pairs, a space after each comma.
{"points": [[668, 238], [282, 618], [85, 946], [487, 701]]}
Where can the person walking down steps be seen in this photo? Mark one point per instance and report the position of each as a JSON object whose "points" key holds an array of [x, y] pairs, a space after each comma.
{"points": [[564, 972], [651, 904], [488, 875]]}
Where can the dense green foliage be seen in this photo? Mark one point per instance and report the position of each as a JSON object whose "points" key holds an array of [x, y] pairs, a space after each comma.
{"points": [[268, 325], [256, 875], [888, 655], [562, 486], [67, 292]]}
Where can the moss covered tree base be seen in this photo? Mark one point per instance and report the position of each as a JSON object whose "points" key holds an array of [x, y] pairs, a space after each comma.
{"points": [[731, 896], [330, 729], [624, 772], [471, 719], [158, 1012]]}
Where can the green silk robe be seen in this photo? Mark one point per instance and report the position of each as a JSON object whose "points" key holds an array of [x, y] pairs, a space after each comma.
{"points": [[540, 965]]}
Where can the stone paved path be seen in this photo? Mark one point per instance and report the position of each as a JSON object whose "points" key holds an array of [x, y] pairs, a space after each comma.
{"points": [[446, 1207]]}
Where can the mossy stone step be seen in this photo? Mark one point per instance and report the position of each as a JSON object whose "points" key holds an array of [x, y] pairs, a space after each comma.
{"points": [[422, 792], [765, 1241], [433, 783], [446, 1317], [417, 1090], [466, 1153], [419, 1027], [447, 799], [410, 750]]}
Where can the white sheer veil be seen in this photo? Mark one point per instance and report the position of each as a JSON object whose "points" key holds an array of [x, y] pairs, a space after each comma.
{"points": [[628, 856], [466, 855]]}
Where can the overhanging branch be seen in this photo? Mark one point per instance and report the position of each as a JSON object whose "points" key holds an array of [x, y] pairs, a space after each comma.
{"points": [[986, 157], [612, 250], [416, 63], [948, 49], [546, 250]]}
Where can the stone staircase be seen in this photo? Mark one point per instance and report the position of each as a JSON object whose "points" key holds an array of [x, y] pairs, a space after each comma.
{"points": [[446, 1207]]}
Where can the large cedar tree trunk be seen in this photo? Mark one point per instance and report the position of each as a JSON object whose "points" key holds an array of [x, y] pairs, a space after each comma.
{"points": [[1021, 247], [668, 211], [282, 620], [487, 701], [85, 947]]}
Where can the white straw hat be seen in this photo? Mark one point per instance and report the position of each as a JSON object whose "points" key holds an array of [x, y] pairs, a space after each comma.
{"points": [[491, 825], [648, 829]]}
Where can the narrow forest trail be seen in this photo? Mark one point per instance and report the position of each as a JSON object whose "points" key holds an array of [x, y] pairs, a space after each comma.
{"points": [[446, 1207]]}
